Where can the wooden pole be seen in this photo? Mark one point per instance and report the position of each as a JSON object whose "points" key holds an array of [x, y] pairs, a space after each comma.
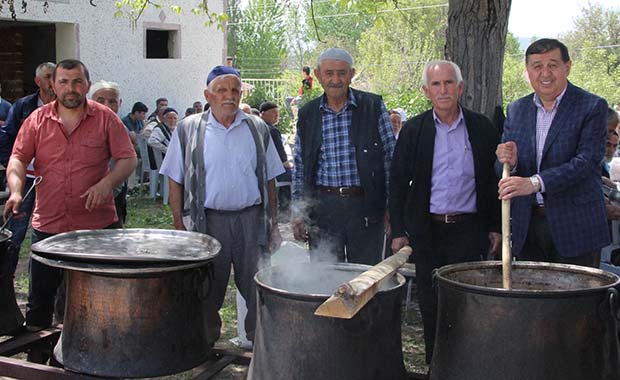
{"points": [[506, 253], [350, 297]]}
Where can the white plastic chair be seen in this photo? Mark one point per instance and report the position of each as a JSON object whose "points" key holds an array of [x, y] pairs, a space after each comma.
{"points": [[164, 184], [146, 168]]}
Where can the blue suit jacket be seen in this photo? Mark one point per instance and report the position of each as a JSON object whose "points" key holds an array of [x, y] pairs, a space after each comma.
{"points": [[4, 109], [22, 108], [570, 169]]}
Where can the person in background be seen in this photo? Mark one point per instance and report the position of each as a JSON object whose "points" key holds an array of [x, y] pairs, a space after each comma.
{"points": [[155, 117], [160, 138], [80, 138], [304, 91], [270, 113], [245, 108], [134, 121], [222, 166], [19, 112], [398, 117], [160, 105], [611, 146], [189, 111], [5, 106], [442, 196], [197, 106], [109, 94], [553, 142], [343, 152]]}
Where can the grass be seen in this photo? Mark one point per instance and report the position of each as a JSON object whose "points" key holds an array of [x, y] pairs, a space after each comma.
{"points": [[143, 212]]}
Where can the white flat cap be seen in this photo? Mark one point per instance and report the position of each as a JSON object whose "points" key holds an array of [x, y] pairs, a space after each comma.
{"points": [[337, 54]]}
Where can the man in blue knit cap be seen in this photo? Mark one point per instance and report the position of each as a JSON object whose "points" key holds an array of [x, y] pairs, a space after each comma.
{"points": [[222, 166]]}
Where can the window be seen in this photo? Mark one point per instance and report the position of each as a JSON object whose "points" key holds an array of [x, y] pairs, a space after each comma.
{"points": [[162, 41]]}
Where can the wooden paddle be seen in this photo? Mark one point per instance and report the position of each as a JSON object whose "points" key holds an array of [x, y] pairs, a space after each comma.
{"points": [[350, 297], [506, 253]]}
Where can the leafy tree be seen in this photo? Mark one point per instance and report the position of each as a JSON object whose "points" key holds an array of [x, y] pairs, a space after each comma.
{"points": [[514, 81], [334, 23], [594, 45], [475, 40], [598, 72], [394, 51], [259, 39]]}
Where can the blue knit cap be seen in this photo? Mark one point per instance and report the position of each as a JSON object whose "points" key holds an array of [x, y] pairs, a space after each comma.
{"points": [[222, 70]]}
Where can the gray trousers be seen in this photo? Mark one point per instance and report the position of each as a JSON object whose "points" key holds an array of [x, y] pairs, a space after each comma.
{"points": [[237, 231]]}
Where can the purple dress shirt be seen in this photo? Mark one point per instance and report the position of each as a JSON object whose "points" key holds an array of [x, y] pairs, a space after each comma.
{"points": [[453, 182]]}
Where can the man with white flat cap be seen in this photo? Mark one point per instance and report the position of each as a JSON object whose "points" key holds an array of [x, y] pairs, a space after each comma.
{"points": [[343, 151]]}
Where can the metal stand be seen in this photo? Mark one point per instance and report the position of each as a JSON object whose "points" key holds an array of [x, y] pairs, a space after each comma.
{"points": [[21, 369]]}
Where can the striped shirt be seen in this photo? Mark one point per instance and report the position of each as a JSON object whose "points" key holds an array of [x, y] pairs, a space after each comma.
{"points": [[337, 165], [544, 119]]}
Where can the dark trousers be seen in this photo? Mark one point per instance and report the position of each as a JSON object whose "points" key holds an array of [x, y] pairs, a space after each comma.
{"points": [[539, 247], [18, 225], [450, 244], [339, 232], [120, 201], [238, 233], [44, 287]]}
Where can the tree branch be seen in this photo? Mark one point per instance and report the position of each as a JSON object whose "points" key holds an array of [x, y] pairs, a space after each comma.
{"points": [[316, 27]]}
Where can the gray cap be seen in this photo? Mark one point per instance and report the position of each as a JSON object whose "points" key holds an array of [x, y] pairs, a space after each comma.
{"points": [[336, 54]]}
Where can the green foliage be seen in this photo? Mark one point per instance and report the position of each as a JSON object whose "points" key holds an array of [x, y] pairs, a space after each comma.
{"points": [[395, 49], [335, 23], [413, 101], [257, 38], [593, 45], [514, 81], [257, 96], [598, 72]]}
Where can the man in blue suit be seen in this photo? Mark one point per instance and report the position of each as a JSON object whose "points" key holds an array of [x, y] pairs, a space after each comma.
{"points": [[19, 112], [554, 141]]}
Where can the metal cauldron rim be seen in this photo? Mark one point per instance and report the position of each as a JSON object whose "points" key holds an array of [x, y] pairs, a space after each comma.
{"points": [[315, 296], [439, 275], [117, 270], [49, 247]]}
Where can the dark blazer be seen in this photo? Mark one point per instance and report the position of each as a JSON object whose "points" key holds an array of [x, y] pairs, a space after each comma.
{"points": [[570, 169], [410, 181], [22, 108]]}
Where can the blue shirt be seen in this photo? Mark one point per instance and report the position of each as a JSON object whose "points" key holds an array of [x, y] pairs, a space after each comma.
{"points": [[453, 182], [133, 126], [230, 164], [337, 165]]}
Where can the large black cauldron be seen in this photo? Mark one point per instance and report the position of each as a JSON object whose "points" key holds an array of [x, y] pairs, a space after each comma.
{"points": [[558, 323], [134, 304], [293, 344]]}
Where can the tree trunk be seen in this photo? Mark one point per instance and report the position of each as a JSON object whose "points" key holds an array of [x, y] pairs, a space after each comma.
{"points": [[475, 41]]}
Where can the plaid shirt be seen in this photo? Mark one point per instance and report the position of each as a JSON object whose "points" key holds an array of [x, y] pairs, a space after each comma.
{"points": [[337, 165]]}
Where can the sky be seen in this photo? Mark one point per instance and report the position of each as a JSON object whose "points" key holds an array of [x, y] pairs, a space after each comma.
{"points": [[548, 18]]}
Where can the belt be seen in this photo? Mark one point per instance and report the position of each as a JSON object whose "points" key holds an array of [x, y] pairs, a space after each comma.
{"points": [[229, 212], [539, 211], [343, 191], [452, 218]]}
